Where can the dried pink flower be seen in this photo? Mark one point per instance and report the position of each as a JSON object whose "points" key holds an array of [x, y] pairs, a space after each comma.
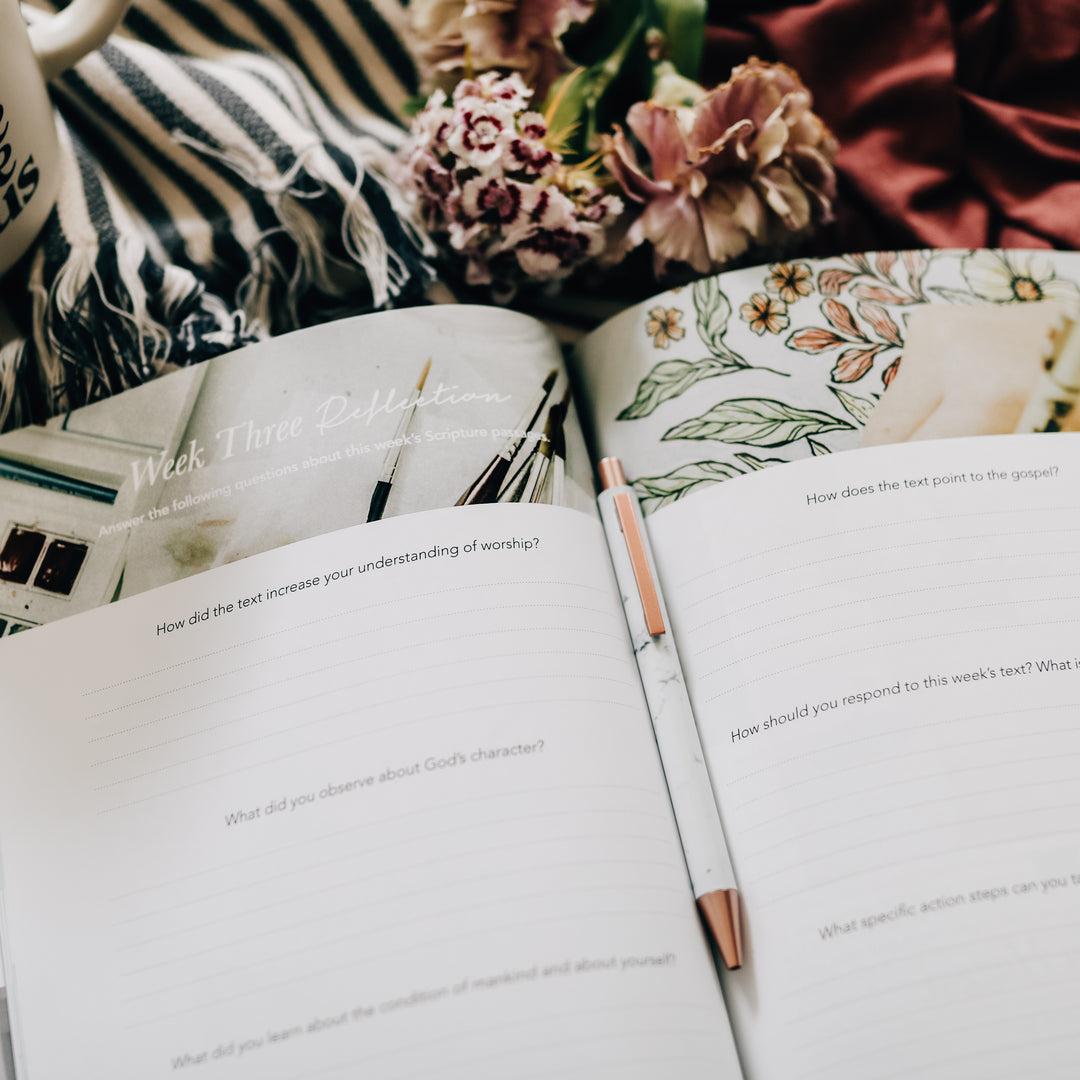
{"points": [[496, 194], [750, 162], [458, 36]]}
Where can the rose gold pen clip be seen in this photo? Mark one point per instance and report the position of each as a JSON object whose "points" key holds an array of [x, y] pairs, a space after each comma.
{"points": [[612, 476]]}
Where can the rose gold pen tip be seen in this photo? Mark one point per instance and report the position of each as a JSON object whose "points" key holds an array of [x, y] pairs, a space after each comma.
{"points": [[722, 914]]}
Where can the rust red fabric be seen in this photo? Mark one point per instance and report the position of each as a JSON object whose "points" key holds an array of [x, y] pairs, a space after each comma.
{"points": [[959, 123]]}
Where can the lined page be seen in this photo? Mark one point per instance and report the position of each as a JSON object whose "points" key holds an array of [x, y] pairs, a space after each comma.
{"points": [[382, 802], [882, 653]]}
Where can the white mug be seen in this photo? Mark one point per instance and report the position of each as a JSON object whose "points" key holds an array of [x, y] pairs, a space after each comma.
{"points": [[29, 151]]}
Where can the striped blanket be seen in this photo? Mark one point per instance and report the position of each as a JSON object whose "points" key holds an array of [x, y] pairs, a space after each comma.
{"points": [[227, 175]]}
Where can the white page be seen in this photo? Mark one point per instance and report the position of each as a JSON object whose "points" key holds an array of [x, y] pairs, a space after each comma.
{"points": [[512, 902], [895, 850]]}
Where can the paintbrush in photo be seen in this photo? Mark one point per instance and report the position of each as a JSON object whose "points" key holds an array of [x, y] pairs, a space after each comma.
{"points": [[27, 473], [531, 478], [386, 479], [486, 487], [512, 489], [554, 489], [519, 483], [542, 490], [522, 486]]}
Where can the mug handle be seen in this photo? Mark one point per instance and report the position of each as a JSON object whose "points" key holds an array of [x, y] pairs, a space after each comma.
{"points": [[67, 36]]}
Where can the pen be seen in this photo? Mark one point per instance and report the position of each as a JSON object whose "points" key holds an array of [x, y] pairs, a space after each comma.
{"points": [[393, 456], [687, 775], [1058, 387]]}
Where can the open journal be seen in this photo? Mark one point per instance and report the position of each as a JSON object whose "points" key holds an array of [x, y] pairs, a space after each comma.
{"points": [[327, 751]]}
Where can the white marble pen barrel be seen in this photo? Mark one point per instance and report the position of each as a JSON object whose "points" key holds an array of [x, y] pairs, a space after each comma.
{"points": [[688, 780]]}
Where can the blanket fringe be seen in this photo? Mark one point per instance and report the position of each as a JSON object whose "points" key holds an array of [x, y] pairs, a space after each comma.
{"points": [[312, 201], [111, 318], [15, 409]]}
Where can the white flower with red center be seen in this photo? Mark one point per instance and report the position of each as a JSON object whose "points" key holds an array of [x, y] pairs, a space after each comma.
{"points": [[505, 94], [438, 181], [544, 254], [533, 126], [478, 138], [490, 196], [528, 152], [495, 192], [433, 118], [522, 156]]}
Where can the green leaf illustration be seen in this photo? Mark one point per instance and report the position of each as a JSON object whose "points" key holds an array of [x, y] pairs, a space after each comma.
{"points": [[754, 463], [858, 407], [713, 314], [955, 296], [669, 379], [757, 422], [653, 492]]}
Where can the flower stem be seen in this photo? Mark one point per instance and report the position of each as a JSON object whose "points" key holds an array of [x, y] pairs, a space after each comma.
{"points": [[602, 75]]}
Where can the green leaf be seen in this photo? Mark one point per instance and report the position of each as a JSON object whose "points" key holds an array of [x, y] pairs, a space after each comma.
{"points": [[757, 422], [713, 313], [653, 492], [683, 24], [817, 449], [669, 379], [565, 106], [858, 407], [594, 40], [575, 102]]}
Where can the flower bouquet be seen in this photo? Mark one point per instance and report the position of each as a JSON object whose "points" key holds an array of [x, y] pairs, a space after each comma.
{"points": [[559, 134]]}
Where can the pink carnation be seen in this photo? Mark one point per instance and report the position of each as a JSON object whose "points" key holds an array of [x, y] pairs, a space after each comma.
{"points": [[750, 162]]}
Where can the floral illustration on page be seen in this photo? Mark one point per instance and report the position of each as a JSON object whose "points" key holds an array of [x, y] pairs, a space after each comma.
{"points": [[799, 352]]}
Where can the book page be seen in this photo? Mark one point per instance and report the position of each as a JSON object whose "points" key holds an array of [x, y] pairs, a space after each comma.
{"points": [[382, 802], [7, 1065], [324, 428], [770, 364], [346, 422], [881, 651]]}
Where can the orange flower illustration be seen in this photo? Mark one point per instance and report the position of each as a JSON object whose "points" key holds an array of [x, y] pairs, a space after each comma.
{"points": [[789, 281], [663, 326], [764, 313]]}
